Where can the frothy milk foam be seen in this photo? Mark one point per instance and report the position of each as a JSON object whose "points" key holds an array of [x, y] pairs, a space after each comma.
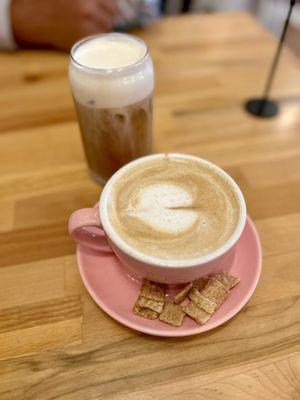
{"points": [[172, 208], [158, 208], [104, 86]]}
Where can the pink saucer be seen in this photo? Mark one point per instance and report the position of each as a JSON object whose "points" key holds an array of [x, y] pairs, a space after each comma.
{"points": [[115, 292]]}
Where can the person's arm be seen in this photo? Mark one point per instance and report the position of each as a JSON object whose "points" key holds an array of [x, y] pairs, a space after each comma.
{"points": [[59, 23], [7, 41]]}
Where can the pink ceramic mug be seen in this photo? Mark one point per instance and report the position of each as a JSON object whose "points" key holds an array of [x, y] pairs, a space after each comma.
{"points": [[91, 227]]}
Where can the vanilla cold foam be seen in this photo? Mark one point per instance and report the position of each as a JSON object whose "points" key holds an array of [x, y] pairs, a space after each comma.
{"points": [[173, 208], [96, 79], [112, 82]]}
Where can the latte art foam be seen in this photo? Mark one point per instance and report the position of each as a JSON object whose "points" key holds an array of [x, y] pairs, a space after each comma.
{"points": [[173, 208]]}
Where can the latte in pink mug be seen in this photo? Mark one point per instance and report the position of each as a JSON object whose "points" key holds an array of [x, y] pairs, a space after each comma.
{"points": [[170, 218]]}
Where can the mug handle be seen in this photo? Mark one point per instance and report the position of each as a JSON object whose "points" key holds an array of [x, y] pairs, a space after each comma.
{"points": [[80, 222]]}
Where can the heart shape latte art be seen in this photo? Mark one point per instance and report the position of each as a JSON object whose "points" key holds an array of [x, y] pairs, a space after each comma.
{"points": [[164, 207]]}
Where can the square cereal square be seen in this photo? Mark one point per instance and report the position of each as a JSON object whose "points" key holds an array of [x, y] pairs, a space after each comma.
{"points": [[200, 283], [154, 305], [229, 281], [193, 311], [172, 314], [182, 295], [152, 291], [202, 302], [215, 291], [144, 312]]}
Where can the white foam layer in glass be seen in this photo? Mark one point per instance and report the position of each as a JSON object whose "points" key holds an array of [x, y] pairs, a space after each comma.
{"points": [[111, 71]]}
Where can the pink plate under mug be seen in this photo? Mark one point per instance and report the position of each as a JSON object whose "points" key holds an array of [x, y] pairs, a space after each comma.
{"points": [[115, 291]]}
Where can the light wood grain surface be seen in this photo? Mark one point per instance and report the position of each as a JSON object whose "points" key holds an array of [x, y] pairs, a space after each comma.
{"points": [[55, 343]]}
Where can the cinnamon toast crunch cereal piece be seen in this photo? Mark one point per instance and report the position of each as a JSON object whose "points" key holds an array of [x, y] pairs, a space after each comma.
{"points": [[144, 312], [152, 291], [193, 311], [202, 302], [229, 281], [182, 295], [153, 305], [215, 291], [172, 314], [200, 283]]}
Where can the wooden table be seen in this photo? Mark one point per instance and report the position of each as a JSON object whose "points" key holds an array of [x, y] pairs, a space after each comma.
{"points": [[55, 343]]}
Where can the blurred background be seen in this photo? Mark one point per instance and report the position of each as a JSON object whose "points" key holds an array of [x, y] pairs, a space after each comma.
{"points": [[60, 23], [271, 13]]}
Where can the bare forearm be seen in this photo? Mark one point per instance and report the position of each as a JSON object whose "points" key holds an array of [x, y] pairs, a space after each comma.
{"points": [[59, 23]]}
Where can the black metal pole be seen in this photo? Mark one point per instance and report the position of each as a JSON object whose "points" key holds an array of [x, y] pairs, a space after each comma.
{"points": [[186, 6], [278, 51], [264, 107]]}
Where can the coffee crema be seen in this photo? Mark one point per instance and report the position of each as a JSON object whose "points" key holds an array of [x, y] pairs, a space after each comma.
{"points": [[173, 208]]}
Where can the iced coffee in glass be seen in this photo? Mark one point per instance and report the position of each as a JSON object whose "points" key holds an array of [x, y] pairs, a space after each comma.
{"points": [[112, 82]]}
